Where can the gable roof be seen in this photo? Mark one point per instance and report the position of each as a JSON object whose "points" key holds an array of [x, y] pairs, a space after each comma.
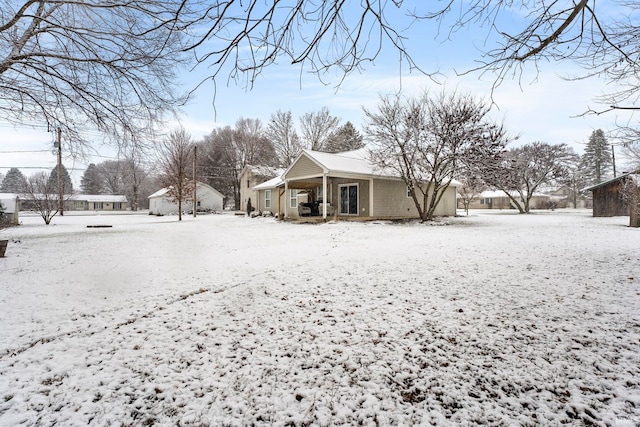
{"points": [[357, 162], [609, 181], [199, 184]]}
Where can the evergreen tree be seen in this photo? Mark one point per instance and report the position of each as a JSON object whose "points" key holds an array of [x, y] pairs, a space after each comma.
{"points": [[67, 185], [92, 181], [596, 162], [13, 182], [346, 138]]}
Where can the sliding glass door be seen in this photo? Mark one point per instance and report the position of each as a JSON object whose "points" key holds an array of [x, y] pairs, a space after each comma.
{"points": [[349, 199]]}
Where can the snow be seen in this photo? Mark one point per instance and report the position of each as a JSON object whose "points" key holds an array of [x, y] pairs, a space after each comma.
{"points": [[496, 318]]}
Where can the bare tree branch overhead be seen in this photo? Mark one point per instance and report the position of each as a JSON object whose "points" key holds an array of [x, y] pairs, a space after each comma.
{"points": [[239, 39], [79, 64]]}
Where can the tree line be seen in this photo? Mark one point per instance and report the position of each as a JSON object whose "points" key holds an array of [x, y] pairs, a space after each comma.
{"points": [[427, 140]]}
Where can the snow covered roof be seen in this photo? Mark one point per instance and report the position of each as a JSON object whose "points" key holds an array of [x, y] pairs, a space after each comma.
{"points": [[110, 198], [276, 182], [165, 190], [356, 162], [609, 181]]}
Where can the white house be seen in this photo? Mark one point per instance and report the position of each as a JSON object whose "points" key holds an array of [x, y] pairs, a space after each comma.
{"points": [[208, 199]]}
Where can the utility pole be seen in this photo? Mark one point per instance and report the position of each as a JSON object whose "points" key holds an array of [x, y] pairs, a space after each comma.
{"points": [[60, 190], [195, 182], [613, 159]]}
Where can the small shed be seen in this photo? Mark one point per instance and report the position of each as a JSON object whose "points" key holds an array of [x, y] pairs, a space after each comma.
{"points": [[208, 199], [10, 208], [608, 199]]}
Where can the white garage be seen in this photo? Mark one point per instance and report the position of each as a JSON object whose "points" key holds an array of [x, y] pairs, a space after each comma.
{"points": [[208, 199]]}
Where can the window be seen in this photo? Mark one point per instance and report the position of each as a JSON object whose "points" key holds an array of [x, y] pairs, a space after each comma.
{"points": [[117, 206], [349, 199], [293, 198], [97, 205], [267, 199], [408, 191]]}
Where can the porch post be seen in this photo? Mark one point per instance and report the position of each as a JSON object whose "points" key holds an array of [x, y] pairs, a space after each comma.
{"points": [[324, 195], [286, 199]]}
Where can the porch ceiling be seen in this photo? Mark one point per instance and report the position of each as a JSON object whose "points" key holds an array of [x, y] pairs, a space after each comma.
{"points": [[305, 184]]}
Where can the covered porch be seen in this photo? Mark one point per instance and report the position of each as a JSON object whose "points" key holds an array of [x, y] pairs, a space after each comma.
{"points": [[327, 196]]}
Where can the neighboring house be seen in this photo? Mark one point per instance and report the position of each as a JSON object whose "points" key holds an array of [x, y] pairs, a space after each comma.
{"points": [[96, 202], [564, 197], [608, 199], [11, 208], [497, 199], [491, 199], [208, 199], [81, 202], [250, 176], [352, 186]]}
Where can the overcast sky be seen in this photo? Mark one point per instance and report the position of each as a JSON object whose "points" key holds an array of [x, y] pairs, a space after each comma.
{"points": [[541, 106]]}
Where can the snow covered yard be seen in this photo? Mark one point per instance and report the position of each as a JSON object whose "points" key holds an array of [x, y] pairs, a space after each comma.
{"points": [[494, 319]]}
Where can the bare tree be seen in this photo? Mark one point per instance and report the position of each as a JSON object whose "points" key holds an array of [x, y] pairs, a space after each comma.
{"points": [[113, 175], [521, 170], [136, 173], [341, 36], [251, 145], [428, 140], [175, 161], [316, 128], [470, 189], [282, 134], [629, 138], [74, 64], [226, 151], [40, 194]]}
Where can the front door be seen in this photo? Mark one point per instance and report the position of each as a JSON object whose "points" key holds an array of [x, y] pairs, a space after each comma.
{"points": [[349, 199]]}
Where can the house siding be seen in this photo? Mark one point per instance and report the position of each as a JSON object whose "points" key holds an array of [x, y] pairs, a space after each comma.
{"points": [[363, 194], [208, 197], [248, 180], [274, 201], [391, 201], [304, 167]]}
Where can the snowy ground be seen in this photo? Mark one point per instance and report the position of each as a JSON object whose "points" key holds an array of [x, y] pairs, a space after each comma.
{"points": [[495, 319]]}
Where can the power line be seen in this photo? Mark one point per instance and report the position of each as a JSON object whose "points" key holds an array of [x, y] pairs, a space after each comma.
{"points": [[40, 167], [24, 151]]}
